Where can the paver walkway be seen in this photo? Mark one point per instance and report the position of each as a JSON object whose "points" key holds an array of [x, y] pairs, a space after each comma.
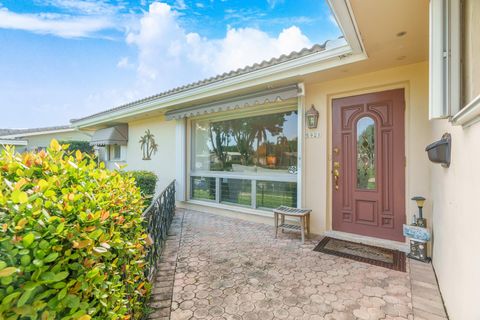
{"points": [[233, 269]]}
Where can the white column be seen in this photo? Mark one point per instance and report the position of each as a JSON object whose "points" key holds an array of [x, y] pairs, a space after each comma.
{"points": [[300, 150], [181, 159]]}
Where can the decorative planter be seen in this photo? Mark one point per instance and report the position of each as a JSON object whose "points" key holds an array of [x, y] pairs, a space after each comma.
{"points": [[418, 242], [417, 233]]}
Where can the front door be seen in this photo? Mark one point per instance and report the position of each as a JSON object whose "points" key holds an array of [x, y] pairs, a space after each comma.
{"points": [[368, 164]]}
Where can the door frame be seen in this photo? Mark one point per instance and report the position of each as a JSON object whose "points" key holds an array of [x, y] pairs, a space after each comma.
{"points": [[405, 85]]}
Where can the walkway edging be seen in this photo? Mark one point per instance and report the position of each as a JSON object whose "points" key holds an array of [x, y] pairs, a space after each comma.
{"points": [[162, 291]]}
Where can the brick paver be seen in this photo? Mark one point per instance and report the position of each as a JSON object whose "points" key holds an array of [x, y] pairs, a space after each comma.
{"points": [[234, 269]]}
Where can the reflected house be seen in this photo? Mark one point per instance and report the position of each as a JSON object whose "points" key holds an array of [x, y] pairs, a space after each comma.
{"points": [[238, 143]]}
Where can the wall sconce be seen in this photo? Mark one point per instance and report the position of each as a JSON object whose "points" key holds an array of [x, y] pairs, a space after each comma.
{"points": [[312, 117]]}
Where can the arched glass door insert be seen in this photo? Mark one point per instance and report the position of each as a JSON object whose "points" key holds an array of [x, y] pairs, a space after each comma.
{"points": [[366, 168]]}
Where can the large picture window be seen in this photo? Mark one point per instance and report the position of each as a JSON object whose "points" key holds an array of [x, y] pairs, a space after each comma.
{"points": [[247, 161]]}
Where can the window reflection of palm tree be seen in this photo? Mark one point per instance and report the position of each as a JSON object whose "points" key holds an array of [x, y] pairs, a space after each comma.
{"points": [[284, 147]]}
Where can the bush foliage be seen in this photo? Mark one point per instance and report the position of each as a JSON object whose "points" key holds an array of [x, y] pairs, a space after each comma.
{"points": [[71, 238], [146, 182], [82, 146]]}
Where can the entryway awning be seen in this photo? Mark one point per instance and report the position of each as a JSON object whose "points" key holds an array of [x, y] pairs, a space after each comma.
{"points": [[110, 136], [248, 100]]}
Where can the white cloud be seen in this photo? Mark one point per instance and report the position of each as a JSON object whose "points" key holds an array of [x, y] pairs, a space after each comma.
{"points": [[273, 3], [124, 63], [85, 6], [56, 24], [180, 5], [170, 56]]}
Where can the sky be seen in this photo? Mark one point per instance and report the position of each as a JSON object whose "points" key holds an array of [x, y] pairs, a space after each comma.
{"points": [[64, 59]]}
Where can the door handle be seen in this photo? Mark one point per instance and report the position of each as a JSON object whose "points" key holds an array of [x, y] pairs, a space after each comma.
{"points": [[336, 173]]}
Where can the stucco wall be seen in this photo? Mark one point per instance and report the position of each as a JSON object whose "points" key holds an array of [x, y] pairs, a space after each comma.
{"points": [[163, 162], [317, 151], [456, 213], [44, 139]]}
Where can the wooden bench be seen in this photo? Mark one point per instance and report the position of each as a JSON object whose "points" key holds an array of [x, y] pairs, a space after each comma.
{"points": [[302, 214]]}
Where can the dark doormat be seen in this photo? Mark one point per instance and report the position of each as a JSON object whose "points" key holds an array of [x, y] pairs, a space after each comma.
{"points": [[392, 259]]}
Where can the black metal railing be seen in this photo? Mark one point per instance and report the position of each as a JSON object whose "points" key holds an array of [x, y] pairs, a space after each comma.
{"points": [[157, 218]]}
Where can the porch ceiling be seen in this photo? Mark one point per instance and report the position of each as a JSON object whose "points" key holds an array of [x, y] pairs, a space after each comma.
{"points": [[380, 25]]}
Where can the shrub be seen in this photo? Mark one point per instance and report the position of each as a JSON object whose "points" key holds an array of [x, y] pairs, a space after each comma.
{"points": [[146, 181], [82, 146], [71, 238]]}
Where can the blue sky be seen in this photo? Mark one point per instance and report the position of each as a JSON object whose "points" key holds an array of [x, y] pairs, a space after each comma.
{"points": [[62, 59]]}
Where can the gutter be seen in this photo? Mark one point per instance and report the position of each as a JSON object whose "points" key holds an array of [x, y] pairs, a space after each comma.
{"points": [[12, 142]]}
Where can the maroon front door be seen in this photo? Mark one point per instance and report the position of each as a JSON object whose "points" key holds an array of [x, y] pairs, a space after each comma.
{"points": [[368, 164]]}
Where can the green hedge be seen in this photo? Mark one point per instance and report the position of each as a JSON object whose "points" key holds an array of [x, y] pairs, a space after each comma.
{"points": [[71, 239], [146, 181], [82, 146]]}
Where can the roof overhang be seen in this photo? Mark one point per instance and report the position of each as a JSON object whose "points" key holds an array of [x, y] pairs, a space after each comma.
{"points": [[337, 53], [116, 135], [13, 142], [37, 133]]}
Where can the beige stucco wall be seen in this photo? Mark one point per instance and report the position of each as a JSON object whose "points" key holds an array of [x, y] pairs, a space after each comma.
{"points": [[316, 151], [456, 212], [43, 140], [163, 163], [317, 154]]}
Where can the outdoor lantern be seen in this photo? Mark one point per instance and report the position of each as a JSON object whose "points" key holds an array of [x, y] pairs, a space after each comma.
{"points": [[312, 117], [418, 233], [421, 222]]}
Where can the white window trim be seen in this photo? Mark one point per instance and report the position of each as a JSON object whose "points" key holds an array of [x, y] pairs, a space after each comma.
{"points": [[445, 66], [469, 114], [253, 177], [445, 45], [111, 153]]}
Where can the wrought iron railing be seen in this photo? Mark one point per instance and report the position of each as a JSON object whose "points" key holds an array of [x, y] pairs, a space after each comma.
{"points": [[157, 218]]}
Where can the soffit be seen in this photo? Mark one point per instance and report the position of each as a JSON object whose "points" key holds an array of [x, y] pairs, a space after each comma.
{"points": [[379, 23]]}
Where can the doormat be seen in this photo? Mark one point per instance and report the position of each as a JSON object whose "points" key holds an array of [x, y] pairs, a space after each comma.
{"points": [[387, 258]]}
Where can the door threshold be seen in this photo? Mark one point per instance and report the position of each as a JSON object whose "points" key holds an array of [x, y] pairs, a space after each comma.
{"points": [[372, 241]]}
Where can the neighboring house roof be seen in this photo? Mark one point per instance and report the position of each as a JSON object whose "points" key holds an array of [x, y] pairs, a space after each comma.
{"points": [[7, 132], [16, 133], [14, 142], [221, 77]]}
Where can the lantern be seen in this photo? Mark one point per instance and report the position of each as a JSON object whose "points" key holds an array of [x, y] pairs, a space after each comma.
{"points": [[312, 117]]}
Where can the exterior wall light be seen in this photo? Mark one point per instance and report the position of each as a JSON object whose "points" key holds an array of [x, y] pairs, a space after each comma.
{"points": [[418, 233], [312, 117], [421, 222]]}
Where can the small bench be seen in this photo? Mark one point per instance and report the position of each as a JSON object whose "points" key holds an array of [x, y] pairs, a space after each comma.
{"points": [[302, 214]]}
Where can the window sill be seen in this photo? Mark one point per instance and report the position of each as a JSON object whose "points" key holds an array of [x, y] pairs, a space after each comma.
{"points": [[240, 209], [469, 115]]}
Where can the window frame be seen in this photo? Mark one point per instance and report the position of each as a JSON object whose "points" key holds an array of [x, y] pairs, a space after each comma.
{"points": [[253, 178], [445, 74], [111, 152]]}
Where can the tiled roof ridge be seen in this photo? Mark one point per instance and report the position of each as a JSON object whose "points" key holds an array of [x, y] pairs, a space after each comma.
{"points": [[226, 75], [8, 132]]}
